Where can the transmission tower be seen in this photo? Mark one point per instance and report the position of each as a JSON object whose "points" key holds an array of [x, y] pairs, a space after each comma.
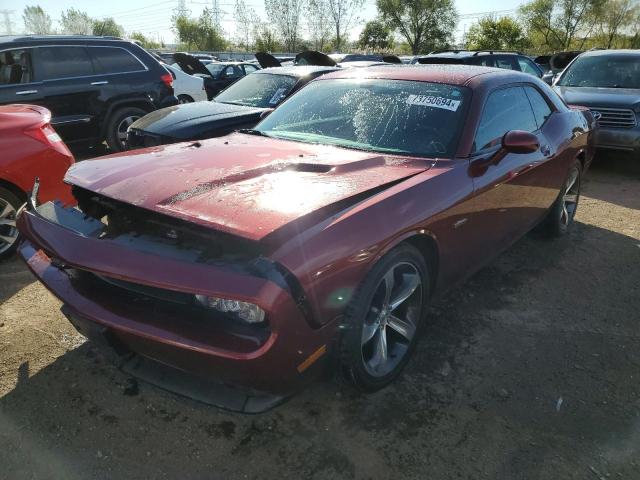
{"points": [[215, 7], [181, 10], [7, 20]]}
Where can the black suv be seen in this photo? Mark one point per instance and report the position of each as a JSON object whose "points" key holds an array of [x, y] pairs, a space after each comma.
{"points": [[95, 87], [485, 58]]}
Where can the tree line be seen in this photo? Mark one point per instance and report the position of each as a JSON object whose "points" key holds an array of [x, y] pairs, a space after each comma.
{"points": [[401, 26]]}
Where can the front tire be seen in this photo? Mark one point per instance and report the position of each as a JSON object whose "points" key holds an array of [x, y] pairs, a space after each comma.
{"points": [[384, 318], [563, 211], [9, 235], [185, 99], [118, 124]]}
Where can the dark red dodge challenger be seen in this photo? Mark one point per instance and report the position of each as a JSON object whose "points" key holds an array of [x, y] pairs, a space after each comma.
{"points": [[251, 260]]}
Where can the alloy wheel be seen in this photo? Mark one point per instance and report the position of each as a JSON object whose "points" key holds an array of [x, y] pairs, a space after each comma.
{"points": [[123, 126], [392, 319], [8, 230], [570, 198]]}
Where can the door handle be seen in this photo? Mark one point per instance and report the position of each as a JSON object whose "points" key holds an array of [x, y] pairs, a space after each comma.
{"points": [[546, 150], [102, 82], [26, 92]]}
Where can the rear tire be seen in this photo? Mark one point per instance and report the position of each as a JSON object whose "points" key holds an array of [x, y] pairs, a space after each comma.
{"points": [[384, 319], [563, 211], [118, 124], [185, 99], [9, 235]]}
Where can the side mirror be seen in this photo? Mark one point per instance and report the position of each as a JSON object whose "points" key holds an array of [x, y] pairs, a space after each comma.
{"points": [[519, 141]]}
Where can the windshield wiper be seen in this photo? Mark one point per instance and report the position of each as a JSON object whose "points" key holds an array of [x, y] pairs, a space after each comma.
{"points": [[251, 131]]}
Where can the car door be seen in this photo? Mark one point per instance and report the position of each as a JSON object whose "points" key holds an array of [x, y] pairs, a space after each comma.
{"points": [[70, 89], [17, 81], [503, 207]]}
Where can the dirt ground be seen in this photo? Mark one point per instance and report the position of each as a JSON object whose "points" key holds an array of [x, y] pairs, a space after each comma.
{"points": [[530, 370]]}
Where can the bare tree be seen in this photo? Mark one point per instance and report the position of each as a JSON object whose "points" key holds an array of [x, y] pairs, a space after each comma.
{"points": [[76, 22], [616, 16], [319, 23], [36, 20], [285, 15], [245, 17], [343, 14]]}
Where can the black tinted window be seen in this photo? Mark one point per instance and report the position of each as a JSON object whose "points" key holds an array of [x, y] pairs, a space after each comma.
{"points": [[485, 61], [15, 67], [506, 109], [505, 62], [540, 107], [63, 62], [114, 60]]}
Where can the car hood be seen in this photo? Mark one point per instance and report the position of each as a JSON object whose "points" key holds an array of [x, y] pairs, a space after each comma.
{"points": [[180, 121], [242, 184], [190, 64], [600, 97]]}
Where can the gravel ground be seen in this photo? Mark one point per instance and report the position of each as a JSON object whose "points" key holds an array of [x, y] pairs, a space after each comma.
{"points": [[528, 371]]}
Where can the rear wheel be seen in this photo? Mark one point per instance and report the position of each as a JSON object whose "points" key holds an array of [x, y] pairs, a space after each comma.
{"points": [[9, 235], [384, 318], [561, 215], [118, 124]]}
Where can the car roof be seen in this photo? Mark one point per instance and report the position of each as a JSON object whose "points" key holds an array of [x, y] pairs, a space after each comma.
{"points": [[468, 53], [49, 38], [297, 70], [449, 74], [601, 53]]}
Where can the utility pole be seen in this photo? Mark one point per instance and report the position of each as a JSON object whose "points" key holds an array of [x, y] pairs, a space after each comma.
{"points": [[7, 20]]}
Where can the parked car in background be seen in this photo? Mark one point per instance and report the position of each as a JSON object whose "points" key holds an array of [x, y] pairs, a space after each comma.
{"points": [[486, 58], [30, 148], [557, 63], [239, 106], [217, 75], [607, 82], [95, 87], [255, 258], [187, 88], [362, 57]]}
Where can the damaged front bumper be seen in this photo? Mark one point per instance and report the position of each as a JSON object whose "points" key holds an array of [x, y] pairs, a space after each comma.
{"points": [[140, 301]]}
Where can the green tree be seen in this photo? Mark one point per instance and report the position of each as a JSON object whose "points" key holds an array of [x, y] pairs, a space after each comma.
{"points": [[266, 38], [375, 36], [244, 17], [76, 22], [555, 24], [107, 27], [319, 23], [144, 41], [425, 24], [491, 33], [615, 17], [36, 20], [201, 33]]}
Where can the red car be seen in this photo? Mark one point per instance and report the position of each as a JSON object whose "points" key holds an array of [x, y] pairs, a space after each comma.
{"points": [[30, 148], [323, 234]]}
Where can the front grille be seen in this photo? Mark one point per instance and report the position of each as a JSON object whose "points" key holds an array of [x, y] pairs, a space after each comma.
{"points": [[615, 117]]}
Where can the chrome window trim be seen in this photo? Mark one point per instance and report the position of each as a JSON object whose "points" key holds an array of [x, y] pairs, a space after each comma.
{"points": [[146, 69]]}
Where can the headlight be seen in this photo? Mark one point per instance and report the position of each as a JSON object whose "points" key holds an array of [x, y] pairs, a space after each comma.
{"points": [[248, 312]]}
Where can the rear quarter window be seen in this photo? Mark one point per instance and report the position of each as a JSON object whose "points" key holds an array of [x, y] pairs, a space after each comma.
{"points": [[114, 60]]}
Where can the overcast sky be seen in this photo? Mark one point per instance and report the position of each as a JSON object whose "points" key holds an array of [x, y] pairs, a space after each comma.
{"points": [[153, 17]]}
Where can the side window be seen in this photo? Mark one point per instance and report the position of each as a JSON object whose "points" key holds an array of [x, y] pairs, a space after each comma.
{"points": [[63, 62], [527, 66], [114, 60], [506, 109], [231, 72], [505, 62], [15, 67], [541, 108], [484, 61], [249, 69]]}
